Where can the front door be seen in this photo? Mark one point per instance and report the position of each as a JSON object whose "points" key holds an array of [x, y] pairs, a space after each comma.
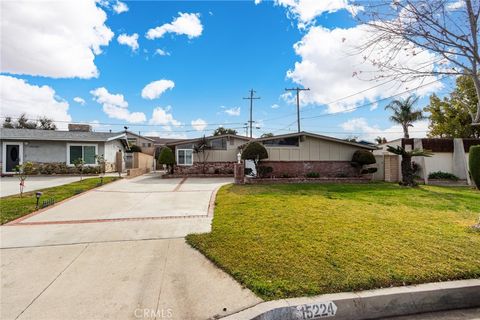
{"points": [[12, 157]]}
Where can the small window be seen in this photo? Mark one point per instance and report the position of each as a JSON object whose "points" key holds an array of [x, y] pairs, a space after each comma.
{"points": [[149, 144], [282, 142], [87, 153], [185, 157], [219, 144], [144, 144]]}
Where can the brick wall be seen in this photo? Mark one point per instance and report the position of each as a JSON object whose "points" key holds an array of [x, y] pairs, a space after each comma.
{"points": [[210, 168], [301, 168]]}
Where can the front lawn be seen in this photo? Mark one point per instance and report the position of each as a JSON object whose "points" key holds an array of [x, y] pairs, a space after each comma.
{"points": [[304, 239], [14, 207]]}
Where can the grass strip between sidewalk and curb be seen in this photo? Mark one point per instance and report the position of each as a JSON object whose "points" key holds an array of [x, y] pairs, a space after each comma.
{"points": [[14, 207], [295, 240]]}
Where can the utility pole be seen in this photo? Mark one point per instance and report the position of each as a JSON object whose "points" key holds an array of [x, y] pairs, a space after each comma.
{"points": [[251, 98], [297, 89]]}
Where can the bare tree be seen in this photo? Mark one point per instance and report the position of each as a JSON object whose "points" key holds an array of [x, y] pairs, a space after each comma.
{"points": [[448, 29]]}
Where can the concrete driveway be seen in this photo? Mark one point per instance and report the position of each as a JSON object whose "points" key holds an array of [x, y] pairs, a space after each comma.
{"points": [[10, 185], [118, 253]]}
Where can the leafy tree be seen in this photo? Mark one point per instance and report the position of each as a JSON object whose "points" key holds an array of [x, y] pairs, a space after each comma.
{"points": [[352, 139], [201, 149], [102, 164], [450, 117], [380, 140], [79, 164], [363, 158], [474, 164], [23, 123], [414, 27], [256, 152], [167, 158], [135, 148], [408, 173], [222, 131], [267, 135], [47, 124], [404, 114], [8, 123]]}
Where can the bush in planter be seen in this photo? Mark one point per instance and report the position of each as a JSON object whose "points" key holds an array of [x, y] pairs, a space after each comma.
{"points": [[313, 175], [362, 158], [264, 171], [167, 158], [474, 164], [442, 175], [256, 152], [368, 170]]}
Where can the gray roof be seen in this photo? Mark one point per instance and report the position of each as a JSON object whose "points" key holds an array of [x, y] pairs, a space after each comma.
{"points": [[318, 136], [209, 138], [54, 135]]}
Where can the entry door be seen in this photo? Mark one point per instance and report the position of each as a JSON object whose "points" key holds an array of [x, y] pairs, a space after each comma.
{"points": [[12, 157]]}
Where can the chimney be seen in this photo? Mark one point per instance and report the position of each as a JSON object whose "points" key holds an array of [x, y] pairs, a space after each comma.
{"points": [[79, 127]]}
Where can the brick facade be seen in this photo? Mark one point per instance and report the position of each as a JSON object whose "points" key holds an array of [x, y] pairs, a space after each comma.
{"points": [[301, 168], [210, 168]]}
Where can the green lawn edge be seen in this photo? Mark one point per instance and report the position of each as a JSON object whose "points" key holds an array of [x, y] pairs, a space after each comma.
{"points": [[14, 207], [277, 289]]}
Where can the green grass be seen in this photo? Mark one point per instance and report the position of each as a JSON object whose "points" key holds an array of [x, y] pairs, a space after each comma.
{"points": [[14, 207], [296, 240]]}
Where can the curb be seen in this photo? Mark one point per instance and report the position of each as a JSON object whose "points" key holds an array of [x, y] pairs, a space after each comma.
{"points": [[371, 304]]}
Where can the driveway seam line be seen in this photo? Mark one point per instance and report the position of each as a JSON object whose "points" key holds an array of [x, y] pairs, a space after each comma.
{"points": [[55, 279], [35, 223], [161, 280], [180, 184]]}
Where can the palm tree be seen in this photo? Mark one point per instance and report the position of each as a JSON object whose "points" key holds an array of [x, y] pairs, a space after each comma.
{"points": [[408, 174], [404, 113]]}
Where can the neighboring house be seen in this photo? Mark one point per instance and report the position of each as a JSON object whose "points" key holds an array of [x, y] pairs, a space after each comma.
{"points": [[289, 155], [449, 155], [297, 154], [219, 158], [48, 146], [145, 143]]}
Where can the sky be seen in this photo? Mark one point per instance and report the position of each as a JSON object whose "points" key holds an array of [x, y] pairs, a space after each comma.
{"points": [[183, 68]]}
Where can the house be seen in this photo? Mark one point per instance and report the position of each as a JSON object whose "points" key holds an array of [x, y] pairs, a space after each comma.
{"points": [[289, 155], [220, 157], [49, 146], [145, 143], [449, 155], [296, 154]]}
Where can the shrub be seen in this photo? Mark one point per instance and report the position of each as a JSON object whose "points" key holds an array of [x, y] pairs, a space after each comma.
{"points": [[256, 152], [442, 175], [313, 175], [368, 170], [285, 175], [248, 171], [167, 158], [474, 164], [135, 148], [362, 158], [264, 171]]}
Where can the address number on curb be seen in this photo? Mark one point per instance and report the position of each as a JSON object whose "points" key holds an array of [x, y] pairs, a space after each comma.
{"points": [[316, 310]]}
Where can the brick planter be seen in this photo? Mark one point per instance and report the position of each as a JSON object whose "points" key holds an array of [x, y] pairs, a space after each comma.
{"points": [[329, 169], [211, 168], [307, 180]]}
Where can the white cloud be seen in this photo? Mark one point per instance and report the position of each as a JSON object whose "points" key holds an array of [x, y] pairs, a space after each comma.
{"points": [[456, 5], [163, 116], [79, 100], [155, 89], [235, 111], [115, 106], [258, 2], [199, 124], [360, 127], [187, 24], [17, 96], [305, 11], [131, 41], [120, 7], [161, 52], [56, 39], [333, 73], [275, 106]]}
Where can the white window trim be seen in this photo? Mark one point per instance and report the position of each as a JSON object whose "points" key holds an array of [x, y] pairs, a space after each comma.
{"points": [[184, 165], [81, 145], [4, 154]]}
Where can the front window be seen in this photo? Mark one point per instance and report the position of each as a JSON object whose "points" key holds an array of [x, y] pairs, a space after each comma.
{"points": [[219, 144], [185, 157], [282, 142], [87, 153]]}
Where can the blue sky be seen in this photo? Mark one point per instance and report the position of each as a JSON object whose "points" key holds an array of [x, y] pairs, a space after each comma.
{"points": [[242, 45]]}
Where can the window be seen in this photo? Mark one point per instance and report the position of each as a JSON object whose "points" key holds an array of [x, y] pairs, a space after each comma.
{"points": [[184, 157], [144, 144], [149, 144], [287, 142], [219, 144], [85, 152]]}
